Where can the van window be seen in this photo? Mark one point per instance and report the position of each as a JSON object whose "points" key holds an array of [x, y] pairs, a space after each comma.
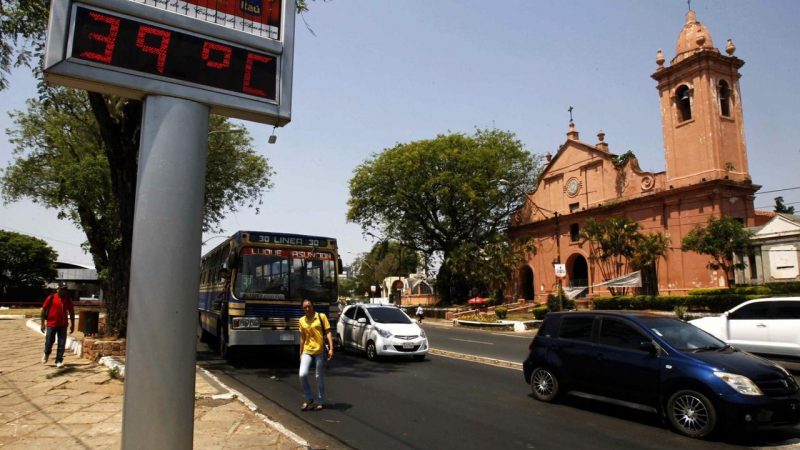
{"points": [[753, 311], [619, 334], [578, 328], [786, 310]]}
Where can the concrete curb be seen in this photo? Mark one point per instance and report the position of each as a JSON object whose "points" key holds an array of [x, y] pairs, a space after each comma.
{"points": [[478, 359], [115, 364], [515, 325]]}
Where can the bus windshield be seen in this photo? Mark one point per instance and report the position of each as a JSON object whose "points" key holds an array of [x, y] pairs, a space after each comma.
{"points": [[269, 274]]}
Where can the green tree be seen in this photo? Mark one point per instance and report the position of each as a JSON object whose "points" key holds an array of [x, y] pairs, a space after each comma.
{"points": [[25, 261], [650, 248], [22, 27], [435, 195], [720, 239], [77, 153], [385, 259], [486, 267], [612, 245], [781, 207]]}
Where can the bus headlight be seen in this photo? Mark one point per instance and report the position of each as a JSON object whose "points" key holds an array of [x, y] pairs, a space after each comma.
{"points": [[246, 322]]}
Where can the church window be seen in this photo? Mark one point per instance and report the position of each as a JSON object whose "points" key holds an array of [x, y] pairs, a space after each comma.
{"points": [[724, 98], [574, 232], [684, 100], [751, 260], [574, 207]]}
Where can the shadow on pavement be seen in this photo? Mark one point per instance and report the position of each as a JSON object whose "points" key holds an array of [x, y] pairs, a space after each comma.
{"points": [[767, 437]]}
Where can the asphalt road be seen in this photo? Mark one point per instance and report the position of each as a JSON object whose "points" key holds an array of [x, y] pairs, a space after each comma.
{"points": [[449, 403]]}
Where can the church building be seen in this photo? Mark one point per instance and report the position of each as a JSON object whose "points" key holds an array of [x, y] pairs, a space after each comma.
{"points": [[706, 176]]}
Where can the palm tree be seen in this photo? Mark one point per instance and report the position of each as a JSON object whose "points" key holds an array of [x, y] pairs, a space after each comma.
{"points": [[650, 249], [612, 245]]}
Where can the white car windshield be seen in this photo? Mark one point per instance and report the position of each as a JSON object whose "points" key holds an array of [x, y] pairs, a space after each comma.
{"points": [[683, 336], [388, 315]]}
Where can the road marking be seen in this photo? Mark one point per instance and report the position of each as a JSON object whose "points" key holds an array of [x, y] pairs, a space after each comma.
{"points": [[477, 359], [474, 342]]}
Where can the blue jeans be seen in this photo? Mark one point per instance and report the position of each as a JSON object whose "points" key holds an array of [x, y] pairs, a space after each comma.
{"points": [[305, 364], [49, 336]]}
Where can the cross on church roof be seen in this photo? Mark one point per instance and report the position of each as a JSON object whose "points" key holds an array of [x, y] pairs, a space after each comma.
{"points": [[570, 113]]}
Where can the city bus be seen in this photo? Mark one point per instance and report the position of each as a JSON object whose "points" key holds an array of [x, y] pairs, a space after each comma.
{"points": [[252, 286]]}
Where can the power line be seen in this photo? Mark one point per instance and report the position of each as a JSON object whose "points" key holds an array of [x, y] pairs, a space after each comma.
{"points": [[779, 190], [48, 238], [771, 206]]}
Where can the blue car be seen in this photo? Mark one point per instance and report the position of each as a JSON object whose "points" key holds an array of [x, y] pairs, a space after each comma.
{"points": [[661, 364]]}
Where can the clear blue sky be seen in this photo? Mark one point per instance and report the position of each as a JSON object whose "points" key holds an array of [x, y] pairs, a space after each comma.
{"points": [[383, 72]]}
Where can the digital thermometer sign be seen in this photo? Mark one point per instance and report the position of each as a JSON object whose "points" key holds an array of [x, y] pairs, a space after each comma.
{"points": [[120, 42], [132, 49]]}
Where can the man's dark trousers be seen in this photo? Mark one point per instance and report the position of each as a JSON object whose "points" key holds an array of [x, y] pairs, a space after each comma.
{"points": [[49, 336]]}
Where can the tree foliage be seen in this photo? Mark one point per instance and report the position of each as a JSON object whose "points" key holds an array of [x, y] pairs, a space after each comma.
{"points": [[77, 153], [22, 26], [385, 259], [617, 247], [438, 194], [25, 261], [781, 208], [721, 239]]}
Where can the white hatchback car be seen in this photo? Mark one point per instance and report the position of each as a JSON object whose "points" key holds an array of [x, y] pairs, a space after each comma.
{"points": [[768, 326], [380, 330]]}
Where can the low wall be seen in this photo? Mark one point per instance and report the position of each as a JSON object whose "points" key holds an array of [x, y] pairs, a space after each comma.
{"points": [[96, 348]]}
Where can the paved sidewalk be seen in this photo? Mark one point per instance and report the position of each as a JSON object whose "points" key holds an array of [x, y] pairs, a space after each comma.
{"points": [[80, 405]]}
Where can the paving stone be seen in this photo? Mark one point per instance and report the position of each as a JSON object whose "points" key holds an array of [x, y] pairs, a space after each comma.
{"points": [[80, 406], [85, 417]]}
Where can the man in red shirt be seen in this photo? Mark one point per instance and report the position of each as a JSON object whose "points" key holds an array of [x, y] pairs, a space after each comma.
{"points": [[55, 309]]}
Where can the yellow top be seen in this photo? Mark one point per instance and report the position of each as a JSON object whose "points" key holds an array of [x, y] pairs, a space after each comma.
{"points": [[314, 341]]}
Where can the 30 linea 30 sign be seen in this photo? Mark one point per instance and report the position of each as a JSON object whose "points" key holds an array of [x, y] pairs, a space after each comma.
{"points": [[110, 39]]}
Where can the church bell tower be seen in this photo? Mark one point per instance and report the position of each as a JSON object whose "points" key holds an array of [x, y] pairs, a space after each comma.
{"points": [[701, 110]]}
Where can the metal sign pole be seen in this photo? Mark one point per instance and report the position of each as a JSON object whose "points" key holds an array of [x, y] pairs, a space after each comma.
{"points": [[162, 317]]}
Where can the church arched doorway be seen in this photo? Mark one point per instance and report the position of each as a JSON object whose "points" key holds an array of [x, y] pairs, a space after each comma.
{"points": [[526, 289], [578, 272]]}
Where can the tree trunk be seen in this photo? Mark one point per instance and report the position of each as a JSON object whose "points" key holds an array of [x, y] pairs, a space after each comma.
{"points": [[120, 125]]}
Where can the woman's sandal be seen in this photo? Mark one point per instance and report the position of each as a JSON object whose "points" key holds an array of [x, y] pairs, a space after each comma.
{"points": [[307, 405]]}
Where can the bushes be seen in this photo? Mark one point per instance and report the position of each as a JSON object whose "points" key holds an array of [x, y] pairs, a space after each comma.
{"points": [[712, 303], [501, 312], [741, 290], [540, 311], [792, 287], [557, 302]]}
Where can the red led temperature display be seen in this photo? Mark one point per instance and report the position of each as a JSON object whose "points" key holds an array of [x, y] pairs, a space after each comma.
{"points": [[122, 42]]}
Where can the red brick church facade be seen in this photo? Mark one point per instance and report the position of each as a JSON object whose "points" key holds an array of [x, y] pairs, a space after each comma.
{"points": [[706, 176]]}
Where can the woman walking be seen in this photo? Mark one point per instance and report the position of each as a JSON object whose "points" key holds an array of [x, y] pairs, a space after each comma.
{"points": [[314, 331]]}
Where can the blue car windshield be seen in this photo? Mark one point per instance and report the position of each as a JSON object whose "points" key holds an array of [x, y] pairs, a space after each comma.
{"points": [[683, 336]]}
